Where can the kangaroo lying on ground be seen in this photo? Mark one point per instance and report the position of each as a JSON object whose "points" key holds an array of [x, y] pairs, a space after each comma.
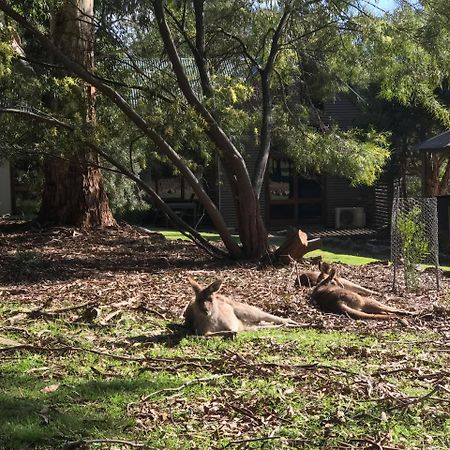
{"points": [[338, 300], [212, 313], [310, 278]]}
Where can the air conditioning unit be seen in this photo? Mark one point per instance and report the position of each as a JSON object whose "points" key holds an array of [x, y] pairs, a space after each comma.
{"points": [[350, 217]]}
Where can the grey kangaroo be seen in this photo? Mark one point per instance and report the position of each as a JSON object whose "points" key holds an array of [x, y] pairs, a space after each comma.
{"points": [[339, 300], [212, 313], [310, 278]]}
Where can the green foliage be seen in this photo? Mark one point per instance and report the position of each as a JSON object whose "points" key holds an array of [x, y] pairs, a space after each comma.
{"points": [[310, 64], [407, 55], [415, 246], [6, 57], [124, 197], [355, 154]]}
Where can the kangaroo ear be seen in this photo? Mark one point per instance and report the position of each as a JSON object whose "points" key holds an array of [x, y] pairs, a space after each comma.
{"points": [[197, 288], [332, 273], [214, 286]]}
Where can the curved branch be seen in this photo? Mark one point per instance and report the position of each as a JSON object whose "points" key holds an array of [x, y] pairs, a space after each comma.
{"points": [[266, 112], [235, 167], [243, 47]]}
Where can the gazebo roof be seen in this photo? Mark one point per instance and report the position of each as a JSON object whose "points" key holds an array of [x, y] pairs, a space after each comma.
{"points": [[436, 143]]}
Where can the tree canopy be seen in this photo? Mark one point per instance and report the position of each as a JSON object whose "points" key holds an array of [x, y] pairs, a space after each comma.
{"points": [[193, 78]]}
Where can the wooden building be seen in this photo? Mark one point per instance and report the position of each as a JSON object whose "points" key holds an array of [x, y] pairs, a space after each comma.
{"points": [[290, 199]]}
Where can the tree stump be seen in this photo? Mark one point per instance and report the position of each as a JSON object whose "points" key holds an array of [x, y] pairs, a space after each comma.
{"points": [[296, 246]]}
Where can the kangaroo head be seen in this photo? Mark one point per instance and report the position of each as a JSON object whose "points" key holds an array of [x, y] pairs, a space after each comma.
{"points": [[326, 278], [325, 273], [324, 267], [204, 296]]}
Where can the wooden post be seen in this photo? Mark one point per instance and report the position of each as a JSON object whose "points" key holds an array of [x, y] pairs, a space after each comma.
{"points": [[296, 246]]}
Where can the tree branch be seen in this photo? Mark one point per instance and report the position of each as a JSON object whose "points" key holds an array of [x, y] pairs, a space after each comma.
{"points": [[266, 112], [243, 47], [235, 167], [84, 443]]}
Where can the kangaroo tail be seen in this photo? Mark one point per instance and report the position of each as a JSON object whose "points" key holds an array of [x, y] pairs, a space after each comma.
{"points": [[355, 314], [402, 312]]}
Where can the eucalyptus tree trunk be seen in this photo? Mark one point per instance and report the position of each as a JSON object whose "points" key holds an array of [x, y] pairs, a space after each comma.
{"points": [[73, 192], [252, 231]]}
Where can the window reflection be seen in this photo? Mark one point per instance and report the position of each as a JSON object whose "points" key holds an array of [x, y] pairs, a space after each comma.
{"points": [[169, 187], [293, 198], [281, 180]]}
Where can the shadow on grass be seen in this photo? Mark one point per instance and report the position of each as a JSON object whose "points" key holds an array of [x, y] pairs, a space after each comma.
{"points": [[170, 339], [90, 409]]}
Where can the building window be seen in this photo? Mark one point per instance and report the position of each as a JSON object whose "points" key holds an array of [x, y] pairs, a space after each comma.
{"points": [[293, 198]]}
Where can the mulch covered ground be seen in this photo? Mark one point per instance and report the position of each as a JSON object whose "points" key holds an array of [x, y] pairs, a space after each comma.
{"points": [[132, 268]]}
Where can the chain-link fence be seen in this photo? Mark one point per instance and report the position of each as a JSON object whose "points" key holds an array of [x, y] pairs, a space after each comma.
{"points": [[414, 238]]}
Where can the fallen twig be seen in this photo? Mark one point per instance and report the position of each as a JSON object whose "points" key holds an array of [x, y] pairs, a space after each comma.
{"points": [[390, 372], [314, 365], [243, 441], [35, 348], [73, 445], [89, 350], [188, 383], [406, 402], [244, 412], [375, 444], [67, 309], [16, 329], [145, 309]]}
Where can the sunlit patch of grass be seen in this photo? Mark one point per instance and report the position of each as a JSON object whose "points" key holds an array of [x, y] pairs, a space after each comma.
{"points": [[344, 258]]}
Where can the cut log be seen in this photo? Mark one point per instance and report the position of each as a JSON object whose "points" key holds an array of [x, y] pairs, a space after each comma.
{"points": [[296, 246]]}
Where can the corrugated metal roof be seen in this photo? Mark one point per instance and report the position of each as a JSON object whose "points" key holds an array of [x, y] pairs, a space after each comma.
{"points": [[436, 143], [147, 69]]}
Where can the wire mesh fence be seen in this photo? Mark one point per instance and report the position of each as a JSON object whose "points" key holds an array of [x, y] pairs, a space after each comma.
{"points": [[414, 239]]}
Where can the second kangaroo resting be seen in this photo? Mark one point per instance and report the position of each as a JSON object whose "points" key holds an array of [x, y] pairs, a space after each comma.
{"points": [[212, 313], [338, 300], [310, 278]]}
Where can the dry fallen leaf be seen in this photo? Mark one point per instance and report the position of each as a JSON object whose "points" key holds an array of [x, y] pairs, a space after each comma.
{"points": [[6, 342], [50, 388]]}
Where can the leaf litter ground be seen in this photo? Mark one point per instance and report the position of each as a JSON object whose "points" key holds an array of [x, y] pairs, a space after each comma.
{"points": [[91, 354]]}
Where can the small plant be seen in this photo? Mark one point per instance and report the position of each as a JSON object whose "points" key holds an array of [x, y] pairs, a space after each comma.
{"points": [[415, 246]]}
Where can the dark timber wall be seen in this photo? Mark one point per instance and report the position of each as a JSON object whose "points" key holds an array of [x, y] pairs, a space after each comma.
{"points": [[225, 198]]}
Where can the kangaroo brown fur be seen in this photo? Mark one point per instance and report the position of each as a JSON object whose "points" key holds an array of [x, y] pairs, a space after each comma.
{"points": [[310, 278], [338, 300], [212, 313]]}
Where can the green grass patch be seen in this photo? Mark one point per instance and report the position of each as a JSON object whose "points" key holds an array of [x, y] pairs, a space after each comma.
{"points": [[326, 255], [330, 256], [303, 388]]}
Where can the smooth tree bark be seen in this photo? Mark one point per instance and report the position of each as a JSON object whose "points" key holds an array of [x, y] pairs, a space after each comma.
{"points": [[437, 174], [246, 191], [73, 192]]}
